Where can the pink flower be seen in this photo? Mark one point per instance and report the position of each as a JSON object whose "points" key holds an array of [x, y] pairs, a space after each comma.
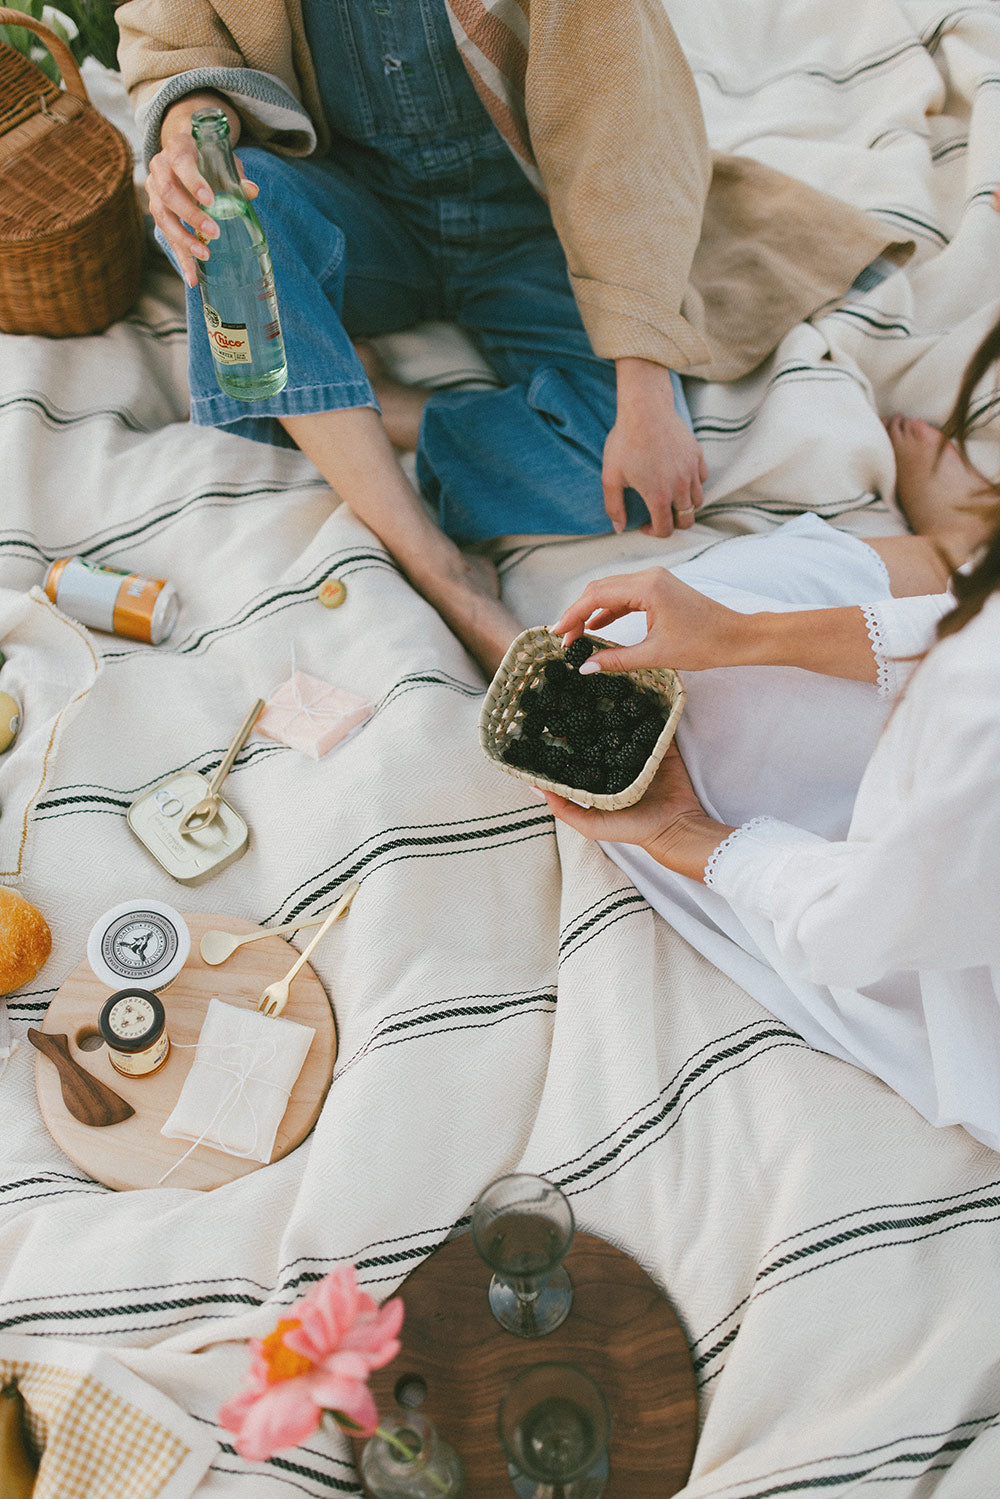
{"points": [[318, 1358]]}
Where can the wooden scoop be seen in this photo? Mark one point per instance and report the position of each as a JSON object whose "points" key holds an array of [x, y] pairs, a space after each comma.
{"points": [[86, 1097]]}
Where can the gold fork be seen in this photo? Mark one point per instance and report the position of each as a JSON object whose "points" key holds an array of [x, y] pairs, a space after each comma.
{"points": [[275, 996]]}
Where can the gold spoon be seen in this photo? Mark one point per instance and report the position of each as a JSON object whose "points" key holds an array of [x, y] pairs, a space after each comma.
{"points": [[275, 996], [202, 813], [217, 946]]}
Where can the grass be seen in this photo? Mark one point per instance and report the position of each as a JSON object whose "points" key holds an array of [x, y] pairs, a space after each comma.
{"points": [[88, 28]]}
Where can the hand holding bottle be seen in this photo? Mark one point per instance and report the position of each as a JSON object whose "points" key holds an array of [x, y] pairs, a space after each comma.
{"points": [[178, 193]]}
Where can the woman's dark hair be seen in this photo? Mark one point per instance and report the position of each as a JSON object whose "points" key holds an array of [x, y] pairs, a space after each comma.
{"points": [[973, 588]]}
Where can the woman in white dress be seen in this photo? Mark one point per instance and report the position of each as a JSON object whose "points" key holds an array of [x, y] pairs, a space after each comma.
{"points": [[826, 827]]}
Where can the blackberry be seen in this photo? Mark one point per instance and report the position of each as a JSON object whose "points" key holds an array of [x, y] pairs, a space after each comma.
{"points": [[617, 721], [578, 723], [517, 752], [579, 651], [595, 780], [557, 672], [618, 686], [622, 776]]}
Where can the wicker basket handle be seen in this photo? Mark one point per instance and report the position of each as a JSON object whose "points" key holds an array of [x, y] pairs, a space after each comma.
{"points": [[64, 59]]}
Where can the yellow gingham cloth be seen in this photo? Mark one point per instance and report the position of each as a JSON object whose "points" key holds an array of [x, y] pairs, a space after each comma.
{"points": [[94, 1443]]}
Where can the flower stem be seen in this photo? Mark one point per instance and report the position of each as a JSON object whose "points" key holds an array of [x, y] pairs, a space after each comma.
{"points": [[410, 1457], [405, 1452]]}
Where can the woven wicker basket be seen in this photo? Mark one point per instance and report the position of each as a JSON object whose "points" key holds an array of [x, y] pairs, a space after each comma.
{"points": [[71, 235], [519, 669]]}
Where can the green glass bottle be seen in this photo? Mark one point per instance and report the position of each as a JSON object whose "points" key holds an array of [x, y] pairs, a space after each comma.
{"points": [[237, 281]]}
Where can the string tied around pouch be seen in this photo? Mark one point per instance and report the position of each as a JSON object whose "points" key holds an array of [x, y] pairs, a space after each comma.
{"points": [[316, 716], [242, 1072]]}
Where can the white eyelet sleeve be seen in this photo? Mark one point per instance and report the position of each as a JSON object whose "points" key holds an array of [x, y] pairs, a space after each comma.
{"points": [[901, 630], [915, 885]]}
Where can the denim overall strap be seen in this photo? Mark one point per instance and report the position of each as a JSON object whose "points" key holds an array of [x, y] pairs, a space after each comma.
{"points": [[389, 72]]}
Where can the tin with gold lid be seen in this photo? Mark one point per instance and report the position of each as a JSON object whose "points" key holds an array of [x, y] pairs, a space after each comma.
{"points": [[133, 1023]]}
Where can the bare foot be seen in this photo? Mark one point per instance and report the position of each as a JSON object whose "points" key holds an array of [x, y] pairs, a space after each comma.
{"points": [[402, 405], [470, 606], [939, 493]]}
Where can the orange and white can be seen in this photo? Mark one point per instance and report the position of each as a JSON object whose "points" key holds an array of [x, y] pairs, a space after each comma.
{"points": [[109, 598]]}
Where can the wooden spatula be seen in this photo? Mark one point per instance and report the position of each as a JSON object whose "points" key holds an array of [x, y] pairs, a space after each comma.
{"points": [[86, 1097]]}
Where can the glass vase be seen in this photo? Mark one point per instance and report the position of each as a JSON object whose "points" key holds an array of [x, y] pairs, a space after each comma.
{"points": [[431, 1470]]}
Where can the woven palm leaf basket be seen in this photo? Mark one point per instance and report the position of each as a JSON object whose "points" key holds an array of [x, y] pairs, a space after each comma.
{"points": [[520, 671], [71, 234]]}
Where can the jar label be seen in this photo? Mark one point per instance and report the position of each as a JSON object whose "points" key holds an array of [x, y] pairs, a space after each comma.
{"points": [[139, 1063], [230, 341]]}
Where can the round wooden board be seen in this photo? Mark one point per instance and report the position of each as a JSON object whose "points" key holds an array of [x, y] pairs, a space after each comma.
{"points": [[622, 1331], [134, 1153]]}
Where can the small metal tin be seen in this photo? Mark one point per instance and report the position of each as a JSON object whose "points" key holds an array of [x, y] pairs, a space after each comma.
{"points": [[113, 599], [10, 720], [140, 942], [189, 858], [133, 1024]]}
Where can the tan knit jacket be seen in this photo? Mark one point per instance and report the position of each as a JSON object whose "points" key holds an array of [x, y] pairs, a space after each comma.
{"points": [[697, 261]]}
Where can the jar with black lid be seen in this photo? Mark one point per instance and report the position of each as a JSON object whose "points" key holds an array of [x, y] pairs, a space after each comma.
{"points": [[133, 1024]]}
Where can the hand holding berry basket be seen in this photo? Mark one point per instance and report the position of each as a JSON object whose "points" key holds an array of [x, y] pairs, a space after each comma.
{"points": [[594, 739]]}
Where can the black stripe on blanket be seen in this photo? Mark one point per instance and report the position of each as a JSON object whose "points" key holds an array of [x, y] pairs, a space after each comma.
{"points": [[905, 216], [265, 605], [55, 418], [877, 1227], [509, 827], [858, 72], [276, 1468], [65, 801], [880, 323], [914, 1456], [651, 1124], [793, 373], [159, 332], [438, 1015], [96, 798], [934, 35], [597, 919], [102, 545]]}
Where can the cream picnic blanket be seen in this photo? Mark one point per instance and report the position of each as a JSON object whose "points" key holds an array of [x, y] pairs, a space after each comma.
{"points": [[505, 999]]}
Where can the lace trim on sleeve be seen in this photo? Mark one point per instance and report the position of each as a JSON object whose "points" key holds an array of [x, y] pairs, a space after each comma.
{"points": [[886, 676], [726, 843]]}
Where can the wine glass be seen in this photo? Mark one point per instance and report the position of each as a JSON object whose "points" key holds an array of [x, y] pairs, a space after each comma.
{"points": [[522, 1226], [554, 1428]]}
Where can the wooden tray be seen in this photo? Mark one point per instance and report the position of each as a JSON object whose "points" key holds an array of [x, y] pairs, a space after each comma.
{"points": [[622, 1331], [134, 1153]]}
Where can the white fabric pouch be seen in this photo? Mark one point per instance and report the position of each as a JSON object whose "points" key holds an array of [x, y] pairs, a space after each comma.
{"points": [[237, 1090]]}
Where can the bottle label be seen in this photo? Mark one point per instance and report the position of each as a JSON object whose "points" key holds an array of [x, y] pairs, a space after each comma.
{"points": [[230, 341]]}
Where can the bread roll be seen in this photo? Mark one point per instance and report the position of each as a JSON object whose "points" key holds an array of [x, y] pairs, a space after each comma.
{"points": [[25, 940]]}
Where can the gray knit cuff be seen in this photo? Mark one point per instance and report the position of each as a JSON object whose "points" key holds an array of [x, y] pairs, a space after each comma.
{"points": [[271, 115]]}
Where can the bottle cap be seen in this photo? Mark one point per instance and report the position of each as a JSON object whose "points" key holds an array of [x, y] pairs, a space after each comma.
{"points": [[332, 593]]}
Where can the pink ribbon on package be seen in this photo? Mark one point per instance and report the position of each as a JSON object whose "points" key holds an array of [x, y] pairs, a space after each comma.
{"points": [[311, 716]]}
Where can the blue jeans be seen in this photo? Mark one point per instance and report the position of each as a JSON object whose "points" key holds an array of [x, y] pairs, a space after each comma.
{"points": [[367, 248]]}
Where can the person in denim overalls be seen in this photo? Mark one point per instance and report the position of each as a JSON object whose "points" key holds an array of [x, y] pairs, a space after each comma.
{"points": [[420, 212]]}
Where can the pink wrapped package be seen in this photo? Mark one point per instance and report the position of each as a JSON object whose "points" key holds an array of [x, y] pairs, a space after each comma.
{"points": [[310, 715]]}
